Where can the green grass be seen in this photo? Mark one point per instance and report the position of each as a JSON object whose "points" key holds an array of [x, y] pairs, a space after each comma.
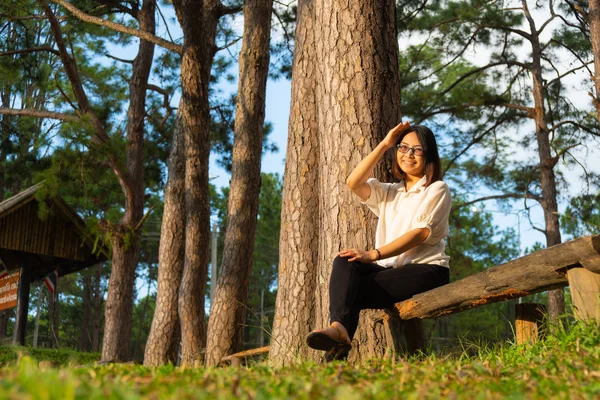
{"points": [[60, 356], [564, 366]]}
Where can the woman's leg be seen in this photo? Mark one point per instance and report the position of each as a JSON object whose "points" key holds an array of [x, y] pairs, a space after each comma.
{"points": [[383, 289], [357, 286], [345, 291]]}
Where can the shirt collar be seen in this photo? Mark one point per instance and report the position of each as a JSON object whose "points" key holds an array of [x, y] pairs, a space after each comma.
{"points": [[417, 186]]}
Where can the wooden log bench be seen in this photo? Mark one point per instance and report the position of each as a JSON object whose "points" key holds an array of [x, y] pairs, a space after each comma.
{"points": [[575, 263], [236, 359]]}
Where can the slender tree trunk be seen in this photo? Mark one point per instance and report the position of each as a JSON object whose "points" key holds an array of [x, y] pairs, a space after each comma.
{"points": [[4, 137], [228, 313], [171, 254], [53, 317], [357, 100], [97, 320], [84, 338], [556, 302], [38, 308], [594, 21], [198, 21], [298, 242], [119, 303]]}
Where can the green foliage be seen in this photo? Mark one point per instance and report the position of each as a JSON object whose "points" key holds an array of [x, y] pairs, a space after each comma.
{"points": [[582, 216], [563, 366], [10, 354]]}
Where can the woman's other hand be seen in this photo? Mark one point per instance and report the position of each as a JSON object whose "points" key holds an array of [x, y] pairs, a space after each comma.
{"points": [[392, 137], [359, 255]]}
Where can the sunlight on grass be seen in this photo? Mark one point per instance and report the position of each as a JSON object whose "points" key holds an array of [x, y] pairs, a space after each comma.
{"points": [[565, 366]]}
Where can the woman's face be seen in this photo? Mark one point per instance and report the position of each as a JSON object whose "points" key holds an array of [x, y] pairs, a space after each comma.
{"points": [[411, 164]]}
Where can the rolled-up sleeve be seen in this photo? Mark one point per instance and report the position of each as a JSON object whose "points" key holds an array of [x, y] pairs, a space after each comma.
{"points": [[433, 212], [378, 193]]}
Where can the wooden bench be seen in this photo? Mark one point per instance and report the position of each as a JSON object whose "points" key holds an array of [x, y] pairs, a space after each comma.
{"points": [[575, 263], [236, 359]]}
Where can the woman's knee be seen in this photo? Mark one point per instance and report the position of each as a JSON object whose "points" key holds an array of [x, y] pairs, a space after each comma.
{"points": [[341, 262]]}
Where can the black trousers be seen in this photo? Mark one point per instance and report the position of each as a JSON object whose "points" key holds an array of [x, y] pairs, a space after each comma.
{"points": [[356, 286]]}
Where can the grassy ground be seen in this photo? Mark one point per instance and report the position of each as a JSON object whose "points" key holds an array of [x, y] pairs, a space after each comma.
{"points": [[564, 366]]}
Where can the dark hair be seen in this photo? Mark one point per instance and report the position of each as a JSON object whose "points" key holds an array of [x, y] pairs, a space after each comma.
{"points": [[433, 165]]}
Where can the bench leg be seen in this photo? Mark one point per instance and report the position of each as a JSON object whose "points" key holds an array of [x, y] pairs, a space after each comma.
{"points": [[585, 292], [529, 320]]}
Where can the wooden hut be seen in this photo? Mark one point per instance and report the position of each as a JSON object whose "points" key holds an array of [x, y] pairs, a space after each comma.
{"points": [[38, 246]]}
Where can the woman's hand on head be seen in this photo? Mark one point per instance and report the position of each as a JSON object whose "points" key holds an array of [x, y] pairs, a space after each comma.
{"points": [[392, 137], [359, 255]]}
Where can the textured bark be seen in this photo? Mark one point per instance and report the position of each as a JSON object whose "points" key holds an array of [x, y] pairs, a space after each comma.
{"points": [[228, 313], [198, 21], [119, 301], [356, 101], [171, 255], [594, 22], [556, 301], [294, 307]]}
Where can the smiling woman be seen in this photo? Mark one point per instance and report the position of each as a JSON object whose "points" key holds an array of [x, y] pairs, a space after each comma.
{"points": [[408, 257]]}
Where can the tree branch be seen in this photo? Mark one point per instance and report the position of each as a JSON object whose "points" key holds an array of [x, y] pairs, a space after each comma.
{"points": [[481, 69], [559, 77], [576, 124], [118, 59], [38, 114], [120, 28], [31, 50], [496, 196]]}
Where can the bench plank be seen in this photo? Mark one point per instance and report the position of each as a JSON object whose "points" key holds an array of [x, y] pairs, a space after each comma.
{"points": [[247, 353], [536, 272]]}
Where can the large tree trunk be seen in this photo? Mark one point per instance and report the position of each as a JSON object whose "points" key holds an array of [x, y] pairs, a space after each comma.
{"points": [[556, 301], [163, 335], [119, 302], [294, 307], [198, 21], [228, 313], [357, 100], [594, 21]]}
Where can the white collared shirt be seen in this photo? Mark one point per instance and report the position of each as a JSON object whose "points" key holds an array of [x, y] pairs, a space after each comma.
{"points": [[400, 212]]}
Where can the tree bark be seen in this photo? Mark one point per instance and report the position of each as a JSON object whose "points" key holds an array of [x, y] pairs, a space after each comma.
{"points": [[357, 100], [228, 313], [295, 302], [171, 254], [594, 22], [119, 302], [556, 301], [198, 20]]}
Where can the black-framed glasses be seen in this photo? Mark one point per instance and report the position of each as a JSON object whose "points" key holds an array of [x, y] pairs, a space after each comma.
{"points": [[417, 151]]}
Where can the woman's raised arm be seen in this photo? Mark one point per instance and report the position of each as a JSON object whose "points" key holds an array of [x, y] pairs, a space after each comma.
{"points": [[357, 180]]}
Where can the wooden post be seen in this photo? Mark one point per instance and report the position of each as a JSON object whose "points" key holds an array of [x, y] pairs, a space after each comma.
{"points": [[414, 334], [529, 321], [585, 292], [22, 306]]}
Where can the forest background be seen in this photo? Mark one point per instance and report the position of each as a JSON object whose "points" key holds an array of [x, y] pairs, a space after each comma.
{"points": [[460, 79]]}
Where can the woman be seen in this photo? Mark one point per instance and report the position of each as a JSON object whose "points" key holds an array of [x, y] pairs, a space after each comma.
{"points": [[408, 257]]}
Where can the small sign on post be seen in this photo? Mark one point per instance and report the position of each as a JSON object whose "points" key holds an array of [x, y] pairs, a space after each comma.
{"points": [[8, 290]]}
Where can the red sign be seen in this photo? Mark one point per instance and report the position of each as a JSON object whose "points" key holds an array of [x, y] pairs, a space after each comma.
{"points": [[8, 290]]}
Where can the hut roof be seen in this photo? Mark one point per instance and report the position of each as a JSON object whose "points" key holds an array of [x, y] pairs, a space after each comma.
{"points": [[56, 242]]}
